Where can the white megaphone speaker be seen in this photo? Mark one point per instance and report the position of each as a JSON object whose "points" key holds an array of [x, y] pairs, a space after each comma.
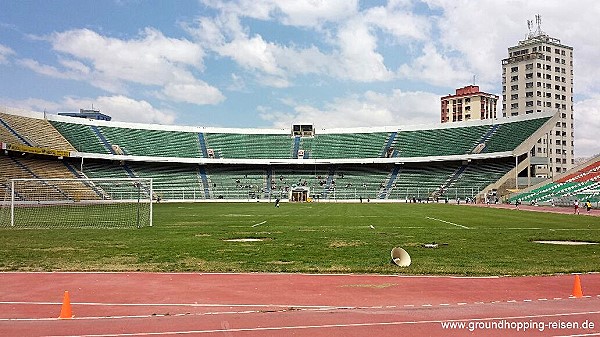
{"points": [[400, 257]]}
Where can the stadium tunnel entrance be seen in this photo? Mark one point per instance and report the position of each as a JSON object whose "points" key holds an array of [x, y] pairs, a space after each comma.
{"points": [[299, 194]]}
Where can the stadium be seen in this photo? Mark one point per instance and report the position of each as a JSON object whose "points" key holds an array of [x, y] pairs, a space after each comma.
{"points": [[100, 207], [256, 168], [472, 160]]}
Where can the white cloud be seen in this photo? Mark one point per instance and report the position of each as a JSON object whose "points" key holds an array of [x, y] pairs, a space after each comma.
{"points": [[153, 59], [587, 125], [75, 66], [46, 69], [358, 58], [311, 13], [401, 4], [316, 12], [120, 108], [74, 70], [197, 93], [435, 68], [370, 108], [152, 48], [256, 9], [352, 42], [252, 53], [399, 23], [112, 64], [30, 104], [5, 52], [481, 32], [124, 109], [303, 61], [225, 36], [237, 84]]}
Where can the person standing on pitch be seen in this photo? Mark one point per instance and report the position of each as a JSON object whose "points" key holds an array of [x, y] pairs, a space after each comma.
{"points": [[576, 206], [277, 202]]}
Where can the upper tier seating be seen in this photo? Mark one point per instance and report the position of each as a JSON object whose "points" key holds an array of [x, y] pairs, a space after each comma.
{"points": [[36, 132], [157, 143], [6, 136], [82, 137], [345, 145], [438, 142], [509, 135], [92, 137], [250, 146]]}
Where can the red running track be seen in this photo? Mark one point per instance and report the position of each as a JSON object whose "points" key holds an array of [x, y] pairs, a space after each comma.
{"points": [[195, 304]]}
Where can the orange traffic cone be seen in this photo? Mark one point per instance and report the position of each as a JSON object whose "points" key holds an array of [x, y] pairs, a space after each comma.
{"points": [[577, 292], [65, 310]]}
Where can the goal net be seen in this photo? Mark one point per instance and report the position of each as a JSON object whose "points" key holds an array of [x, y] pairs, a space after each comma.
{"points": [[77, 203]]}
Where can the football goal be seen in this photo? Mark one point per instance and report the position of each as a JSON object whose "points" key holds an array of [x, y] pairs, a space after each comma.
{"points": [[77, 203]]}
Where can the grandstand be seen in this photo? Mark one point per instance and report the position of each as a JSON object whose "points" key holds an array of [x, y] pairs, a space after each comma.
{"points": [[33, 132], [581, 183], [428, 162]]}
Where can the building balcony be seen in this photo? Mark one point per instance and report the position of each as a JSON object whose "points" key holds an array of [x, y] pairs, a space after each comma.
{"points": [[520, 58]]}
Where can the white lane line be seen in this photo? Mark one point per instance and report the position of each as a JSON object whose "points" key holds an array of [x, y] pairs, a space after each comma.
{"points": [[272, 307], [448, 222], [326, 326], [258, 224], [539, 228], [209, 305]]}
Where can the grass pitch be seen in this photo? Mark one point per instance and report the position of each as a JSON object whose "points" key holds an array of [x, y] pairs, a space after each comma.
{"points": [[315, 238]]}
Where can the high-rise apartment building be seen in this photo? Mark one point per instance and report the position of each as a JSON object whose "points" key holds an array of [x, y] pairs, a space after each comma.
{"points": [[468, 103], [537, 77]]}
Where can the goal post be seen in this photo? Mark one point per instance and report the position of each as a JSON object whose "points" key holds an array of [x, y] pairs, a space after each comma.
{"points": [[77, 203]]}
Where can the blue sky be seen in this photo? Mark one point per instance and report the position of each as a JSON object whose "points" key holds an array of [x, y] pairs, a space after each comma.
{"points": [[269, 63]]}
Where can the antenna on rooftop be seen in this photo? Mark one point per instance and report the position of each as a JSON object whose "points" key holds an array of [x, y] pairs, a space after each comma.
{"points": [[538, 22]]}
